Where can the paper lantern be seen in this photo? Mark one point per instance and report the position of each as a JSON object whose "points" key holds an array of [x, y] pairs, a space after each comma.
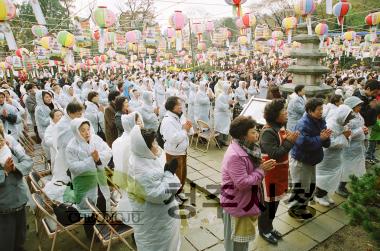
{"points": [[103, 58], [242, 40], [236, 6], [210, 27], [96, 35], [249, 20], [178, 21], [110, 37], [340, 10], [277, 35], [239, 23], [372, 19], [89, 62], [96, 59], [21, 52], [133, 36], [39, 30], [321, 30], [304, 7], [289, 23], [202, 46], [369, 38], [45, 42], [349, 35], [150, 51], [7, 10], [66, 39], [103, 17]]}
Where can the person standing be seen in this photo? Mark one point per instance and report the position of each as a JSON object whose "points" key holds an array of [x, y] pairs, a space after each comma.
{"points": [[241, 190], [275, 143], [109, 118], [296, 107], [353, 156], [306, 153], [14, 165], [223, 107], [175, 135]]}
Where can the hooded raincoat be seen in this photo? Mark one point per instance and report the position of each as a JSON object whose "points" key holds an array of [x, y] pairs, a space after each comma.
{"points": [[202, 104], [151, 195], [329, 171], [147, 112], [86, 175], [296, 109], [222, 111], [353, 157]]}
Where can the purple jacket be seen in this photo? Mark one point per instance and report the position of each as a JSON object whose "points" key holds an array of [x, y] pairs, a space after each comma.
{"points": [[240, 183]]}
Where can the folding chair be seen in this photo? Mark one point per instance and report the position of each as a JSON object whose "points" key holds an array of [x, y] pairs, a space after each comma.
{"points": [[52, 225], [107, 232], [207, 133]]}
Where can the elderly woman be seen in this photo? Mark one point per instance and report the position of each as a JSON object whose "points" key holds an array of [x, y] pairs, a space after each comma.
{"points": [[121, 107], [151, 194], [353, 156], [148, 112], [242, 175], [296, 107], [275, 143], [87, 155], [328, 172]]}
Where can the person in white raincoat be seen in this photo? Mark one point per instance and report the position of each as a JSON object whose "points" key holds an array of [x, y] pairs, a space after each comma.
{"points": [[135, 102], [64, 135], [191, 104], [160, 96], [240, 94], [87, 155], [223, 114], [296, 107], [78, 87], [121, 149], [68, 96], [353, 156], [151, 195], [330, 108], [45, 105], [50, 138], [95, 112], [329, 171], [148, 113], [202, 104], [253, 89]]}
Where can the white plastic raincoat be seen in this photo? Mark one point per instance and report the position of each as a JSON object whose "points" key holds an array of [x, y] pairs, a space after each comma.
{"points": [[86, 175], [202, 104], [147, 112], [222, 111], [150, 193], [329, 171]]}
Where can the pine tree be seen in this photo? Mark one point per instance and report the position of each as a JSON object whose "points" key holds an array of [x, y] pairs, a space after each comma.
{"points": [[363, 205]]}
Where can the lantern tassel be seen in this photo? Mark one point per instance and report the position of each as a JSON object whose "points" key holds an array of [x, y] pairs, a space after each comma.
{"points": [[308, 22], [321, 38], [329, 7], [178, 40], [289, 36], [38, 12], [6, 30], [102, 39]]}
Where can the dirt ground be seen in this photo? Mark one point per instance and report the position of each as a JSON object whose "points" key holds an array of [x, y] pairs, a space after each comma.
{"points": [[349, 238]]}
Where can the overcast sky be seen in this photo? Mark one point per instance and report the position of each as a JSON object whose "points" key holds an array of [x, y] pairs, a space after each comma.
{"points": [[195, 9]]}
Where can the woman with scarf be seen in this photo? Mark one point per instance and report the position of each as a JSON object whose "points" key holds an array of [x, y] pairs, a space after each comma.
{"points": [[95, 113], [276, 144], [87, 155], [242, 174], [151, 194]]}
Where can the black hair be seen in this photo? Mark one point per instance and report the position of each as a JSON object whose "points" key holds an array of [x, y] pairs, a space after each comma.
{"points": [[240, 126], [91, 95], [372, 84], [149, 136], [113, 95], [171, 102], [52, 112], [273, 109], [85, 122], [299, 88], [119, 101], [335, 98], [74, 107], [312, 104]]}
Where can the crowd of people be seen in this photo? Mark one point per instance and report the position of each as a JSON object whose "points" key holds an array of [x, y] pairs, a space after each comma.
{"points": [[138, 124]]}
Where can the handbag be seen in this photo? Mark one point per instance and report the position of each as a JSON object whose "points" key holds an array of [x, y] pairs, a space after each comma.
{"points": [[66, 214], [100, 132]]}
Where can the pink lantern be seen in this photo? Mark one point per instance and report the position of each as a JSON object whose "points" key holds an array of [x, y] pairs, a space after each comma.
{"points": [[96, 35], [96, 59], [133, 36], [210, 27], [103, 58], [169, 32], [21, 52], [198, 29], [202, 46], [249, 20], [178, 20], [239, 23]]}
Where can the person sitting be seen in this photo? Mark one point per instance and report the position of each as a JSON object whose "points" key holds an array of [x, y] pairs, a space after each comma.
{"points": [[87, 155]]}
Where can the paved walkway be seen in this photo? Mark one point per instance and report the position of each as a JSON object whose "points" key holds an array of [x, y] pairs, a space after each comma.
{"points": [[205, 230]]}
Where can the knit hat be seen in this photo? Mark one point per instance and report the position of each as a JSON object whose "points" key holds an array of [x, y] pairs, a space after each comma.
{"points": [[352, 101]]}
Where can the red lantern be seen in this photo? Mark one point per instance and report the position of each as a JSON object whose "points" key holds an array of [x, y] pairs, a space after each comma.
{"points": [[96, 35], [96, 59]]}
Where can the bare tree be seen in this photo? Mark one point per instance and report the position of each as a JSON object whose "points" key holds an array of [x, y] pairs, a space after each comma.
{"points": [[135, 13]]}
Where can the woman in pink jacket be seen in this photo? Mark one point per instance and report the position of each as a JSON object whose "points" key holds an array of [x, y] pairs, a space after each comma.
{"points": [[242, 174]]}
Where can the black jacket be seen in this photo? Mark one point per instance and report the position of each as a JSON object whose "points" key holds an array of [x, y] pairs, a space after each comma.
{"points": [[270, 143], [369, 114]]}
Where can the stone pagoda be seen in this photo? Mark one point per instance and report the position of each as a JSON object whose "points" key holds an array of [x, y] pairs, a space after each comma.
{"points": [[308, 71]]}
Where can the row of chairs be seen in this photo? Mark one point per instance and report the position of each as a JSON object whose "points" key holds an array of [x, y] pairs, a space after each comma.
{"points": [[106, 231]]}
